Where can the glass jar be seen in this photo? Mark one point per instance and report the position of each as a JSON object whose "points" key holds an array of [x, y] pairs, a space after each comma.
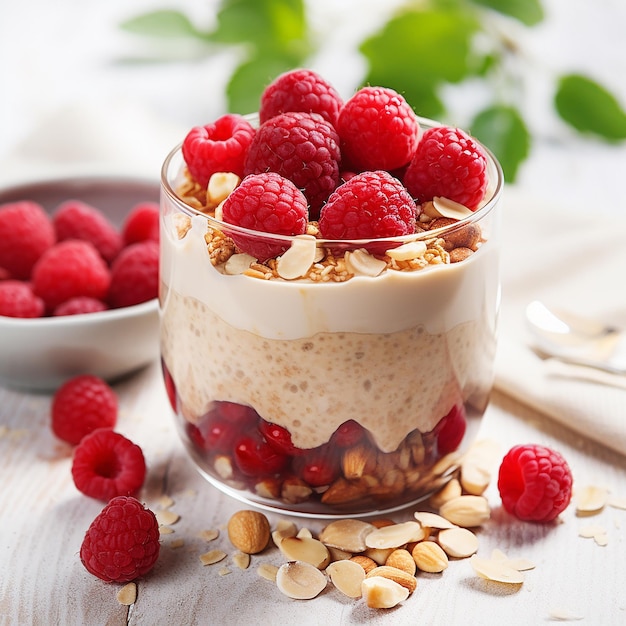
{"points": [[352, 390]]}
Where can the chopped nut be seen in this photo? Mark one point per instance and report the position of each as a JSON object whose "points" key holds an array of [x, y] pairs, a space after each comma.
{"points": [[383, 593], [365, 562], [220, 186], [466, 511], [347, 576], [304, 532], [284, 528], [249, 531], [451, 489], [305, 549], [430, 557], [458, 542], [378, 555], [212, 557], [395, 536], [402, 559], [299, 580], [346, 534], [408, 581], [127, 594]]}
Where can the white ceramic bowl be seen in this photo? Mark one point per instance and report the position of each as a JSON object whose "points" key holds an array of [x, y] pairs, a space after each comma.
{"points": [[40, 354]]}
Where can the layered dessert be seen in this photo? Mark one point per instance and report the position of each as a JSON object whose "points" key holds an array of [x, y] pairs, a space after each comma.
{"points": [[328, 305]]}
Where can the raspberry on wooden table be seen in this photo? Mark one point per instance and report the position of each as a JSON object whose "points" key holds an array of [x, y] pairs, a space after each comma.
{"points": [[107, 464], [122, 542], [378, 129], [448, 163], [18, 300], [68, 269], [217, 147], [81, 405], [26, 232], [535, 483], [269, 203], [300, 90], [74, 219], [302, 147], [369, 205], [135, 274]]}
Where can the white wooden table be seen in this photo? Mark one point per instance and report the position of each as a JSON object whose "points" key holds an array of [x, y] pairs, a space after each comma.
{"points": [[43, 519]]}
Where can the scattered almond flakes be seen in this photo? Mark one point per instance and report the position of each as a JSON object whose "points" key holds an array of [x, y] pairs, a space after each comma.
{"points": [[167, 517], [563, 615], [496, 570], [617, 502], [267, 571], [165, 502], [165, 530], [209, 535], [176, 543], [241, 560], [212, 556], [595, 532], [224, 571], [127, 594], [591, 499]]}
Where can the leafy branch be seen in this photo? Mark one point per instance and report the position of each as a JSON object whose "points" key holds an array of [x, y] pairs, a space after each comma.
{"points": [[422, 50]]}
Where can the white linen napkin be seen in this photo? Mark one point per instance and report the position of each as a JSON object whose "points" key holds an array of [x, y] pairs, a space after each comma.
{"points": [[573, 260]]}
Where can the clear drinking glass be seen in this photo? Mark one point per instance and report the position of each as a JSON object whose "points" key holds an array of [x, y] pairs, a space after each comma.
{"points": [[340, 393]]}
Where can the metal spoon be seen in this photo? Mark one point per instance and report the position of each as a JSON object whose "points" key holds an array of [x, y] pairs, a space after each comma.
{"points": [[576, 340]]}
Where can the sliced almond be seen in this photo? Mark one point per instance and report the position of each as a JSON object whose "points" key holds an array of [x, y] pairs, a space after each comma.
{"points": [[241, 560], [221, 184], [399, 576], [378, 555], [474, 479], [346, 534], [432, 520], [284, 528], [212, 556], [209, 535], [299, 580], [466, 511], [497, 570], [354, 461], [591, 499], [395, 536], [166, 517], [238, 264], [297, 260], [362, 263], [304, 532], [127, 594], [617, 502], [590, 531], [305, 549], [458, 542], [407, 251], [430, 557], [347, 576], [449, 208], [267, 571], [383, 593], [452, 489]]}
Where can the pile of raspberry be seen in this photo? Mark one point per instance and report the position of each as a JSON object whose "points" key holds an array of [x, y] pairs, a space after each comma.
{"points": [[75, 260], [361, 169]]}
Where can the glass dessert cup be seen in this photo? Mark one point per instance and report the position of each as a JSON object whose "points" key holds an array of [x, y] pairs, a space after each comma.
{"points": [[353, 390]]}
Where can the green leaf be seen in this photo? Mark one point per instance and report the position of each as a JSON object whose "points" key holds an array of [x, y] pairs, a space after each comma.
{"points": [[590, 108], [529, 12], [163, 23], [246, 84], [266, 24], [502, 129], [419, 50]]}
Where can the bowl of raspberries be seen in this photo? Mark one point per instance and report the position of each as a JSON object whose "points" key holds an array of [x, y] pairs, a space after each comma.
{"points": [[78, 279]]}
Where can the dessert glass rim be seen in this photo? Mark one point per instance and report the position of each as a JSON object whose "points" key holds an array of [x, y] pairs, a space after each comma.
{"points": [[493, 166]]}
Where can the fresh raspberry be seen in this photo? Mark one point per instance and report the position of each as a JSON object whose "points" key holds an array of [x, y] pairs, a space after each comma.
{"points": [[451, 430], [279, 438], [80, 406], [107, 464], [535, 483], [348, 434], [78, 220], [318, 467], [80, 305], [18, 300], [255, 457], [268, 203], [141, 223], [369, 205], [135, 274], [217, 147], [122, 542], [378, 129], [302, 147], [448, 163], [300, 90], [26, 232], [70, 268]]}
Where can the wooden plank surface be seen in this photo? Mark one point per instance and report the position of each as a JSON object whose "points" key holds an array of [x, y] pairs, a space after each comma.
{"points": [[43, 519]]}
